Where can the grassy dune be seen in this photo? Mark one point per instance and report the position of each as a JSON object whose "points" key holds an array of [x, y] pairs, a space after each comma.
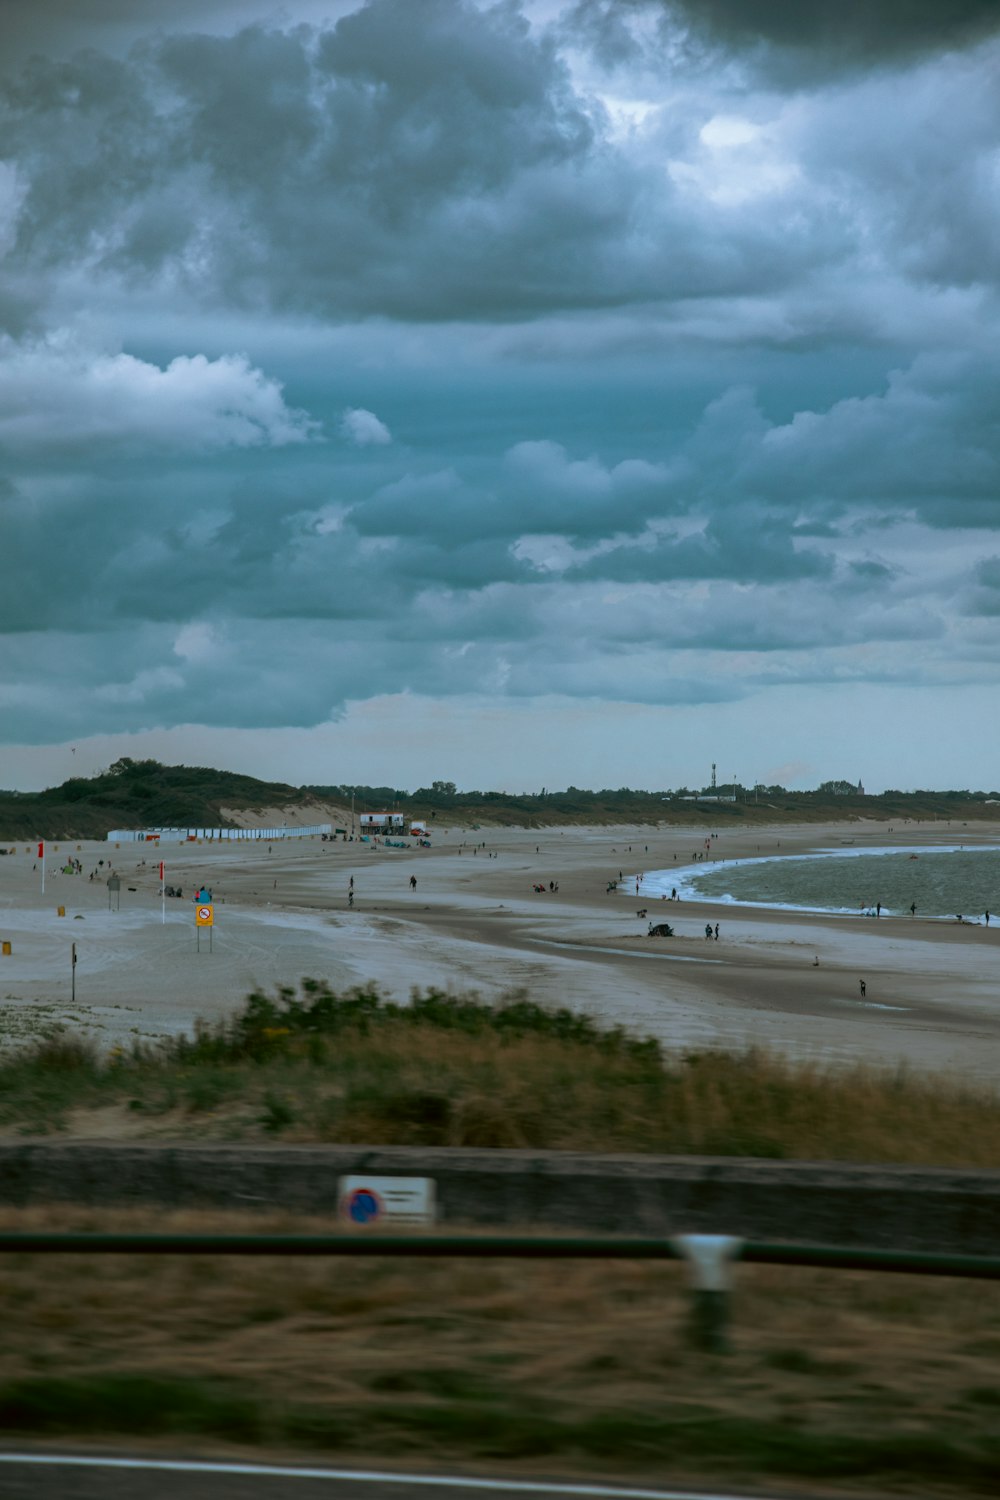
{"points": [[447, 1070]]}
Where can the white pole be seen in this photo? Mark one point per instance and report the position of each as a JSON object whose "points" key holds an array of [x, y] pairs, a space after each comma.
{"points": [[41, 847], [163, 898]]}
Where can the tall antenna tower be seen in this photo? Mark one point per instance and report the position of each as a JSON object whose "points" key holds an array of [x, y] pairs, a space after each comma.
{"points": [[713, 776]]}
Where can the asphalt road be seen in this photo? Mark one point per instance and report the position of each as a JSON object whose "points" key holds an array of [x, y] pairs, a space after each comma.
{"points": [[25, 1476]]}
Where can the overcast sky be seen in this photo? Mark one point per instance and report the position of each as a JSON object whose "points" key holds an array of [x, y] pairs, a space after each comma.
{"points": [[521, 393]]}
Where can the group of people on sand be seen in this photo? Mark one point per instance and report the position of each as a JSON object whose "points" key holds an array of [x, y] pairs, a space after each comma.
{"points": [[876, 911]]}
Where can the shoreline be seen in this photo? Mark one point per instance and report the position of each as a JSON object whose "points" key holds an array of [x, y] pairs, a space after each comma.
{"points": [[475, 923], [682, 878]]}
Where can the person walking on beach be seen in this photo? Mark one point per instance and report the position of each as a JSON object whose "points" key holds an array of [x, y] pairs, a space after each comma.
{"points": [[913, 908], [987, 915], [708, 932], [716, 932], [878, 908], [863, 987], [413, 882]]}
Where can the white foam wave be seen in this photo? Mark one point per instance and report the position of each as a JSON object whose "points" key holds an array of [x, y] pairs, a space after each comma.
{"points": [[659, 884]]}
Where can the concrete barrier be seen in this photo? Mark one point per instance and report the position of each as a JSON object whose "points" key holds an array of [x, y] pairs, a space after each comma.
{"points": [[807, 1203]]}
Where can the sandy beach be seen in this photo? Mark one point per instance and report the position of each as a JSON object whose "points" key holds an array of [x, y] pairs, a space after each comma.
{"points": [[474, 922]]}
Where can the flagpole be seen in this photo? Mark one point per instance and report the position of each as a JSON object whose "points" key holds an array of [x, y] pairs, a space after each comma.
{"points": [[163, 898], [41, 855]]}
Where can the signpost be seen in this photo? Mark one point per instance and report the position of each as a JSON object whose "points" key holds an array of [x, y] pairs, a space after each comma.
{"points": [[73, 972], [204, 916], [388, 1202], [163, 898]]}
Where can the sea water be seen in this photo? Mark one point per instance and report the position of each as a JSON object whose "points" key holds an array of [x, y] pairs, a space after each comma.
{"points": [[941, 882]]}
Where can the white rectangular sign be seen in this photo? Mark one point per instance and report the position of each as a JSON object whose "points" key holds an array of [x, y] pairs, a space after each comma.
{"points": [[389, 1202]]}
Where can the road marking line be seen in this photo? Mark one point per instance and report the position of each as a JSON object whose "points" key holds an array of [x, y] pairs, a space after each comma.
{"points": [[358, 1476]]}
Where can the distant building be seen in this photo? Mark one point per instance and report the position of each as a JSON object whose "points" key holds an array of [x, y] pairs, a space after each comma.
{"points": [[382, 820]]}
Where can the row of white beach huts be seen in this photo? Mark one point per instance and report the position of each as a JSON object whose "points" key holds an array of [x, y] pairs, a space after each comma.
{"points": [[369, 823]]}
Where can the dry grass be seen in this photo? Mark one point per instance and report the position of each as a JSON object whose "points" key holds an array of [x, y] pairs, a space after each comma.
{"points": [[451, 1072], [846, 1378], [849, 1377]]}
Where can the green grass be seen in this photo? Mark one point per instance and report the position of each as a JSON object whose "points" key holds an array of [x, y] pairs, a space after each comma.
{"points": [[488, 1424], [446, 1070], [133, 1402]]}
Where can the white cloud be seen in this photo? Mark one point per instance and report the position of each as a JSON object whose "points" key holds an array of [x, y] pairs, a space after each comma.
{"points": [[147, 683], [57, 394], [737, 162], [728, 130], [197, 642], [364, 428]]}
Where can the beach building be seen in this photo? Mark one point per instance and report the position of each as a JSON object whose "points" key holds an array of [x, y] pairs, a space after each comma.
{"points": [[382, 822]]}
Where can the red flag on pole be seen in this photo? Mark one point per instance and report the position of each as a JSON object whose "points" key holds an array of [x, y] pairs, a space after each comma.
{"points": [[41, 849], [161, 871]]}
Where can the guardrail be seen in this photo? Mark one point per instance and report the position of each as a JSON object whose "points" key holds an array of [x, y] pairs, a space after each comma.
{"points": [[709, 1257]]}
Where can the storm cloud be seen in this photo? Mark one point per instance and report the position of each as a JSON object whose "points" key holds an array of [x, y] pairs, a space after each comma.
{"points": [[795, 40], [642, 353]]}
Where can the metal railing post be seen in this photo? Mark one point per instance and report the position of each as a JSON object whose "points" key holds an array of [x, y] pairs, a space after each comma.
{"points": [[709, 1258]]}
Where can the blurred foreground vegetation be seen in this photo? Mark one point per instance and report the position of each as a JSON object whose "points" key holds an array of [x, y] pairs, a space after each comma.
{"points": [[447, 1070], [832, 1380], [844, 1380]]}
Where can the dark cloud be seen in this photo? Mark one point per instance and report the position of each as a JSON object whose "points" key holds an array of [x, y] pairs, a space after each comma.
{"points": [[868, 572], [794, 41], [918, 152], [436, 168], [394, 163], [562, 555], [60, 28], [984, 597], [402, 349], [744, 545], [853, 32]]}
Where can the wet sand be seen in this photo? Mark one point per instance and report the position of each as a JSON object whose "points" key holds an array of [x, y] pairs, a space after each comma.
{"points": [[475, 923]]}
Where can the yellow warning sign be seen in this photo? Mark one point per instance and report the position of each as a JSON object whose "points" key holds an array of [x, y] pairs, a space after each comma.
{"points": [[204, 916]]}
